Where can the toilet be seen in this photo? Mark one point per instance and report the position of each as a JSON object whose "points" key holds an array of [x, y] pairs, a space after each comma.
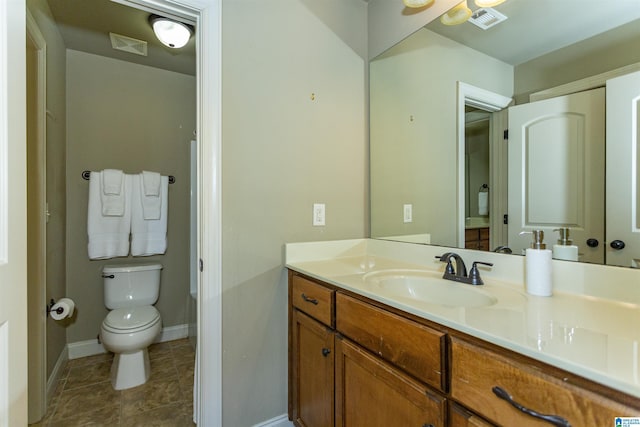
{"points": [[133, 322]]}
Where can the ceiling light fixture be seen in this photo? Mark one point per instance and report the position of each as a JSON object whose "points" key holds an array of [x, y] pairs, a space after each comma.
{"points": [[417, 3], [456, 15], [488, 3], [171, 33]]}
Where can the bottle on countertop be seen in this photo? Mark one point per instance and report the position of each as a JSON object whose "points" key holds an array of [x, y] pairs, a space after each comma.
{"points": [[565, 249], [538, 266]]}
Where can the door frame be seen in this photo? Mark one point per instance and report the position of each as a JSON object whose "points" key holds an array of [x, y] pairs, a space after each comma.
{"points": [[483, 100], [207, 17], [36, 288]]}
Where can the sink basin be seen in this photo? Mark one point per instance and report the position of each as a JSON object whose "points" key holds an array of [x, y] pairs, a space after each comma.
{"points": [[428, 287]]}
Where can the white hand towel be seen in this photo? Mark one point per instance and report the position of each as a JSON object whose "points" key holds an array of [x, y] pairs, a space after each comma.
{"points": [[108, 235], [148, 236], [151, 205], [151, 183], [112, 181], [112, 195], [483, 203]]}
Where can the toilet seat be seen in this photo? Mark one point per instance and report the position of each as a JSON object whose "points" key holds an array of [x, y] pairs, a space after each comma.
{"points": [[130, 320]]}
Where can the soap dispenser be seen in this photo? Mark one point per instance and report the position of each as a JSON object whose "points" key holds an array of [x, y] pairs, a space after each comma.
{"points": [[565, 249], [538, 266]]}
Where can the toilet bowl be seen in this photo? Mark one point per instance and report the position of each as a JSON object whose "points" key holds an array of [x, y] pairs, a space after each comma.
{"points": [[127, 332], [133, 323]]}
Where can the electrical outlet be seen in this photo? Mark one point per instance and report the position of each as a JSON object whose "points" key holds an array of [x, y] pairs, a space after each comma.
{"points": [[318, 214], [407, 213]]}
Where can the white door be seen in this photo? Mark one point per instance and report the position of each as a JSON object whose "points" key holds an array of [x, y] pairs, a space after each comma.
{"points": [[623, 178], [13, 230], [556, 171]]}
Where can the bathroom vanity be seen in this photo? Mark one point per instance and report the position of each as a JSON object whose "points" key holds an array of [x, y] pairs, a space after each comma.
{"points": [[376, 337]]}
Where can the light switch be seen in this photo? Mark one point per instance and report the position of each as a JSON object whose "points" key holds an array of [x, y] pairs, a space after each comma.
{"points": [[318, 214], [408, 213]]}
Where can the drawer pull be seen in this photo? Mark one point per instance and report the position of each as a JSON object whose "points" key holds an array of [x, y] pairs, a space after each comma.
{"points": [[311, 300], [551, 419], [326, 351]]}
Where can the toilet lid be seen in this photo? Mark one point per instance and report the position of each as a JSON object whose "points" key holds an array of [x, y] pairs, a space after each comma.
{"points": [[131, 317]]}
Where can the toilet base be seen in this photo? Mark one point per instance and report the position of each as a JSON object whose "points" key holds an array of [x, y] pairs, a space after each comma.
{"points": [[130, 369]]}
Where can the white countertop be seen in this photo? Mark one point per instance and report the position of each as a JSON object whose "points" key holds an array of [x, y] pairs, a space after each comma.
{"points": [[589, 335]]}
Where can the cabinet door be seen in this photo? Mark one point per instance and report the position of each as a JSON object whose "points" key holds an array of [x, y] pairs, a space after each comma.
{"points": [[370, 392], [313, 362]]}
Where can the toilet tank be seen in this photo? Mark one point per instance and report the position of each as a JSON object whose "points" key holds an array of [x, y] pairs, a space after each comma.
{"points": [[131, 285]]}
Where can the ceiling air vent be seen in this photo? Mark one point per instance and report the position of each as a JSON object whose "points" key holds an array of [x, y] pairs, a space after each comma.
{"points": [[127, 44], [486, 18]]}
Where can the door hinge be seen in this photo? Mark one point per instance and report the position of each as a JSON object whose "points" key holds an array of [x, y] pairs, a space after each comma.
{"points": [[505, 219], [201, 265], [505, 134]]}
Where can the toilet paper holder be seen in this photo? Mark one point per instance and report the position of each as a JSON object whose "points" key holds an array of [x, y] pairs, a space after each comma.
{"points": [[59, 310]]}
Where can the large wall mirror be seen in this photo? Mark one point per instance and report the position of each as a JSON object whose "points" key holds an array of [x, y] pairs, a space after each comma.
{"points": [[443, 170]]}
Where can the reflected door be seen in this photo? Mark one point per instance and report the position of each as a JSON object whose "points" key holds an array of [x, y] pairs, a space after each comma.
{"points": [[556, 171], [623, 179]]}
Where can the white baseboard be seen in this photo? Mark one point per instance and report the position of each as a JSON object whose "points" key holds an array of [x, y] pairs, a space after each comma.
{"points": [[92, 347], [54, 378], [281, 421]]}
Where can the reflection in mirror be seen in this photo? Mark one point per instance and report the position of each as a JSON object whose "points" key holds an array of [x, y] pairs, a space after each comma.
{"points": [[414, 107]]}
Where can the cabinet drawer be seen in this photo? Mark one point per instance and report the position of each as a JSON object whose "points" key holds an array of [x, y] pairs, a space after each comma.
{"points": [[415, 348], [314, 299], [476, 371]]}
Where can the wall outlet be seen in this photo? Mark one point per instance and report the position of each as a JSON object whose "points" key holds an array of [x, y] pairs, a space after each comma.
{"points": [[407, 213], [318, 214]]}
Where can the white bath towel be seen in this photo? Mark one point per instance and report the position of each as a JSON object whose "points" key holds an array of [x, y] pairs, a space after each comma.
{"points": [[148, 236], [108, 235], [112, 195], [483, 203], [151, 183], [151, 203]]}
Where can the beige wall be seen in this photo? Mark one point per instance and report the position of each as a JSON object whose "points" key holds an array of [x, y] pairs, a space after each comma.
{"points": [[584, 59], [283, 151], [56, 178], [414, 161], [130, 117]]}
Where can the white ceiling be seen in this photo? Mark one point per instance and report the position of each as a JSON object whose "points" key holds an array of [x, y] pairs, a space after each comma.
{"points": [[85, 26], [533, 28], [537, 27]]}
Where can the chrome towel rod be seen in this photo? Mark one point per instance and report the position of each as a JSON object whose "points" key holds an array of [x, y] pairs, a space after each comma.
{"points": [[87, 175]]}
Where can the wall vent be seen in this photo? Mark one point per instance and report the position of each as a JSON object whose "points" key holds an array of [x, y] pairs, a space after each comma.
{"points": [[486, 18], [128, 44]]}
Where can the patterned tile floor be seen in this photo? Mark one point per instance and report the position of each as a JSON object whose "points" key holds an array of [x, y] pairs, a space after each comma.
{"points": [[84, 396]]}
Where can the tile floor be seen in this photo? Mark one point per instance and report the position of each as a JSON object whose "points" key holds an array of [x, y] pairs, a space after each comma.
{"points": [[84, 396]]}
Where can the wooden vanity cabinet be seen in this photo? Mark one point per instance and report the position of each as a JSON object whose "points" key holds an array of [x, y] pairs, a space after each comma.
{"points": [[356, 362], [312, 353], [477, 238]]}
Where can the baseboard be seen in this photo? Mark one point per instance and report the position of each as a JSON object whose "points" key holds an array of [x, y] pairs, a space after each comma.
{"points": [[92, 347], [281, 421], [54, 378]]}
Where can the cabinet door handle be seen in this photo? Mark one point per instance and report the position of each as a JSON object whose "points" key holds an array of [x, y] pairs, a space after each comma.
{"points": [[326, 351], [551, 419], [311, 300]]}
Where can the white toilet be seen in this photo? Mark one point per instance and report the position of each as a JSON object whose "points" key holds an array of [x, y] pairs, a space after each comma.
{"points": [[133, 323]]}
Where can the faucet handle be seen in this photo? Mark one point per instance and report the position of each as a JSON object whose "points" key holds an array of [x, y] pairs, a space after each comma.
{"points": [[474, 273], [446, 258]]}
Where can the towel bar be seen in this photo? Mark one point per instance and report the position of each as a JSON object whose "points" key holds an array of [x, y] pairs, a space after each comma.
{"points": [[87, 175]]}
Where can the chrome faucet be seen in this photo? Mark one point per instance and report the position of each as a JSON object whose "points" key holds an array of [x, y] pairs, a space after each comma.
{"points": [[459, 273]]}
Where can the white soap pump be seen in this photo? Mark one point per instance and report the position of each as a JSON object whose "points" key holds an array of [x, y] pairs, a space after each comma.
{"points": [[538, 266], [565, 249]]}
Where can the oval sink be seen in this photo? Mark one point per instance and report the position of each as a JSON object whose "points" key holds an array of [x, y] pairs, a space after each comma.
{"points": [[427, 287]]}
